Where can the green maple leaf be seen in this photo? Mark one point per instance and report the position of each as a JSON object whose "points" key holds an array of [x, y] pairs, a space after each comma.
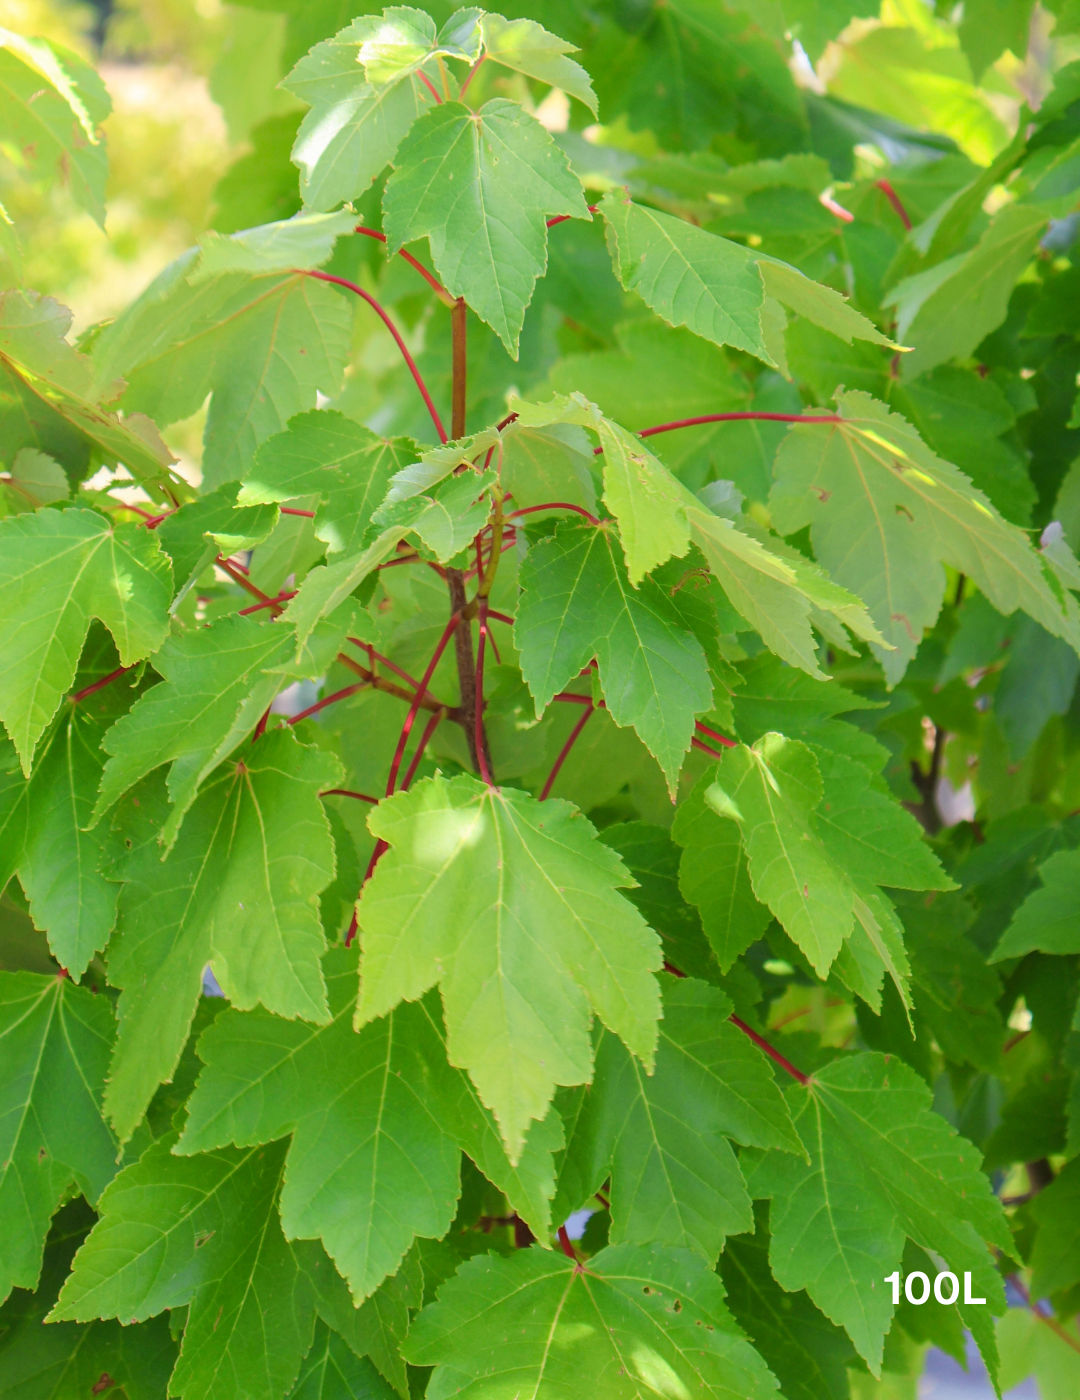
{"points": [[35, 479], [324, 453], [771, 791], [54, 1050], [779, 698], [43, 837], [717, 288], [261, 346], [664, 1137], [576, 603], [214, 688], [472, 876], [202, 1231], [631, 1322], [379, 1326], [58, 401], [402, 40], [198, 532], [66, 1360], [58, 570], [653, 859], [868, 832], [353, 128], [1055, 1263], [954, 990], [1048, 919], [333, 1371], [446, 518], [885, 515], [52, 104], [478, 185], [649, 504], [714, 876], [372, 1162], [884, 1167], [378, 1121], [327, 587], [947, 310], [304, 241], [776, 595], [239, 890], [815, 22], [688, 276], [807, 1354], [526, 47]]}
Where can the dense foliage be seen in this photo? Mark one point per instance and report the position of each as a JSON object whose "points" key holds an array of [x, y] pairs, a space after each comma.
{"points": [[596, 732]]}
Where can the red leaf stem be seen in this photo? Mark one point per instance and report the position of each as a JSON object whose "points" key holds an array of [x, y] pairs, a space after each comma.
{"points": [[896, 202], [1051, 1322], [385, 661], [124, 505], [269, 603], [330, 700], [410, 718], [347, 792], [381, 847], [500, 617], [754, 417], [289, 510], [478, 717], [469, 76], [719, 738], [231, 568], [260, 728], [564, 752], [555, 505], [352, 929], [101, 684], [430, 87], [697, 744], [429, 730], [562, 218], [770, 1050], [381, 312], [568, 697], [432, 281], [565, 1245]]}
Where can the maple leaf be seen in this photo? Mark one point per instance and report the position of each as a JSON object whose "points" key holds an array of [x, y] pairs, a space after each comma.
{"points": [[885, 515], [54, 1050], [238, 890], [202, 1231], [261, 346], [59, 570], [537, 901], [486, 229], [214, 688], [664, 1138], [874, 1143], [576, 604], [632, 1320], [324, 453]]}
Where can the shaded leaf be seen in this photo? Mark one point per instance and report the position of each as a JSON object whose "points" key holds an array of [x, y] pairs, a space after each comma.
{"points": [[54, 1049], [239, 890]]}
